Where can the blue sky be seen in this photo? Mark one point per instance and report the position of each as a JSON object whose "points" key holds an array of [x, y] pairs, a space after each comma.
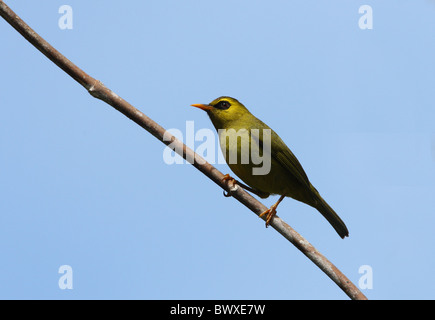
{"points": [[81, 185]]}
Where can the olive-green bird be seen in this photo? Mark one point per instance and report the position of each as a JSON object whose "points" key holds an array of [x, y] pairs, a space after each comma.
{"points": [[284, 176]]}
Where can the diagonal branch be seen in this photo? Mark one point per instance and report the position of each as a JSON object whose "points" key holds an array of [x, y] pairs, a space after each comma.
{"points": [[99, 91]]}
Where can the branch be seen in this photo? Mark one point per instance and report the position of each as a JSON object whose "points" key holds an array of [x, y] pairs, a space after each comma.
{"points": [[99, 91]]}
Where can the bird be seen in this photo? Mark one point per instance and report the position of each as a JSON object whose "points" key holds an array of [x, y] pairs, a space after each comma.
{"points": [[242, 135]]}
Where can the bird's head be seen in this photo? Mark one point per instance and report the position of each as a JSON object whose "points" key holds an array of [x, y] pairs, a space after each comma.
{"points": [[223, 110]]}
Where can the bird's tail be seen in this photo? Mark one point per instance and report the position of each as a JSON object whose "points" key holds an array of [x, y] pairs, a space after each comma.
{"points": [[331, 216]]}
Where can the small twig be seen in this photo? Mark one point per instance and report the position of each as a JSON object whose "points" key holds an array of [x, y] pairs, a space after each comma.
{"points": [[99, 91]]}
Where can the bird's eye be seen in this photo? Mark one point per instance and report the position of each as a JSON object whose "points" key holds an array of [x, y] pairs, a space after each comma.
{"points": [[223, 105]]}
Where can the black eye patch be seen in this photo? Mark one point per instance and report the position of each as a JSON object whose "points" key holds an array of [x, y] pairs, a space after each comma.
{"points": [[223, 105]]}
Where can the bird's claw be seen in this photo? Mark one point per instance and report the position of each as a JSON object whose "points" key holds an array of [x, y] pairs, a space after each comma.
{"points": [[270, 213], [232, 183]]}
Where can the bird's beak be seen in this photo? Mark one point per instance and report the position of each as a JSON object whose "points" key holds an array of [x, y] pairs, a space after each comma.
{"points": [[204, 107]]}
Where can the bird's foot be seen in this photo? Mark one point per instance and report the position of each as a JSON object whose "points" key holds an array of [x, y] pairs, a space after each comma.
{"points": [[270, 213], [232, 184]]}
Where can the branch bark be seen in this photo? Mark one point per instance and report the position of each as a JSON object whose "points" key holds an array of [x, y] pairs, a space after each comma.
{"points": [[99, 91]]}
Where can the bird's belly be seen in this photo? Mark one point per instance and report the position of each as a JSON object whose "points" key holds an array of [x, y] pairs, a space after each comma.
{"points": [[238, 149]]}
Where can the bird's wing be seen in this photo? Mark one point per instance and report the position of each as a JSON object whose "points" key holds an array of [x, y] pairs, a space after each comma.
{"points": [[282, 154], [288, 160]]}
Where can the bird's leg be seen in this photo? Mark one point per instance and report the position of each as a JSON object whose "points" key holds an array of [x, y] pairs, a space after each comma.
{"points": [[272, 211]]}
